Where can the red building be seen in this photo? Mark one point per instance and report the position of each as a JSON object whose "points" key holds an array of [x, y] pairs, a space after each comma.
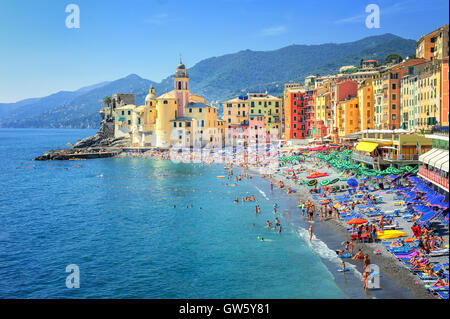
{"points": [[297, 114]]}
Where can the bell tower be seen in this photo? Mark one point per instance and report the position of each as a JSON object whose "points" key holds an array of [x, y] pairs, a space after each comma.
{"points": [[181, 86]]}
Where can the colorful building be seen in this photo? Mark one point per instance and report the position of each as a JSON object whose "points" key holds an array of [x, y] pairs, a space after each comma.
{"points": [[366, 104], [295, 101], [348, 119], [236, 111], [177, 117], [270, 107]]}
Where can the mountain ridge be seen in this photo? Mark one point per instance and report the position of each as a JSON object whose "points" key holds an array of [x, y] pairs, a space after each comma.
{"points": [[215, 78]]}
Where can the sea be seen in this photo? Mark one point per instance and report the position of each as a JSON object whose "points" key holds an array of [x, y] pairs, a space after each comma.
{"points": [[147, 228]]}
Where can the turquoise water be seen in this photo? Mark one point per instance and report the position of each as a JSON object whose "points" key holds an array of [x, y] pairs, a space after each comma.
{"points": [[115, 219]]}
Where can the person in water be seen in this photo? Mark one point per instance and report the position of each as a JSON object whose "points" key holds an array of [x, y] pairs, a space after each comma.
{"points": [[268, 224], [310, 230], [277, 222]]}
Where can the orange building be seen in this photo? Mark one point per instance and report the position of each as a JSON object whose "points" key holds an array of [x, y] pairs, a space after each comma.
{"points": [[433, 45]]}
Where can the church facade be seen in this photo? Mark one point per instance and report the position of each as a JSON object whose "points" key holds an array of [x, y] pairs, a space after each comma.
{"points": [[176, 118]]}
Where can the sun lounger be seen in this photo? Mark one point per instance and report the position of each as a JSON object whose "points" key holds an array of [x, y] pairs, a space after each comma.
{"points": [[442, 294], [435, 288]]}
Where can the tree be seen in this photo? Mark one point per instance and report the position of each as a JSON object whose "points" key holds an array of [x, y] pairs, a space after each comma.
{"points": [[107, 101], [393, 58]]}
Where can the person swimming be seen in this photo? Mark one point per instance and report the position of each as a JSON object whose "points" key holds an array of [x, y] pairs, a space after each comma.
{"points": [[277, 222]]}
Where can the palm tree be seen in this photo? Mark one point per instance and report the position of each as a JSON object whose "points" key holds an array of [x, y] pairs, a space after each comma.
{"points": [[107, 101]]}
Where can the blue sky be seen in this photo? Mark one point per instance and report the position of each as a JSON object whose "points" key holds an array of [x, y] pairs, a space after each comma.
{"points": [[40, 56]]}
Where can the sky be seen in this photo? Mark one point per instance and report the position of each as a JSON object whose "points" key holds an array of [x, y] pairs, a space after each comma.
{"points": [[40, 55]]}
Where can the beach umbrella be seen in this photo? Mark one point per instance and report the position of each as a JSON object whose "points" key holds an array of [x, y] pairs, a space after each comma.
{"points": [[312, 182], [352, 182], [357, 221]]}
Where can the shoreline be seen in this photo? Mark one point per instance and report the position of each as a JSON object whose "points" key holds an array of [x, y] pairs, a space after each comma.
{"points": [[389, 266]]}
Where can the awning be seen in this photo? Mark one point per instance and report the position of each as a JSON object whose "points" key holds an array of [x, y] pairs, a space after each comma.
{"points": [[439, 163], [366, 146], [437, 157], [445, 167], [122, 119], [425, 158]]}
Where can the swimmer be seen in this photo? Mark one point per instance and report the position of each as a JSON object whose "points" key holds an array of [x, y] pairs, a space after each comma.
{"points": [[268, 224], [279, 228], [277, 221], [343, 265], [262, 239]]}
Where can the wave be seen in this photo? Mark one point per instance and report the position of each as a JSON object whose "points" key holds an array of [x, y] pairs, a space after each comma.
{"points": [[321, 249], [262, 193]]}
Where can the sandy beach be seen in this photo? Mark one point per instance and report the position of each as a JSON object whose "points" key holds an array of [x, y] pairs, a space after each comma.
{"points": [[389, 266]]}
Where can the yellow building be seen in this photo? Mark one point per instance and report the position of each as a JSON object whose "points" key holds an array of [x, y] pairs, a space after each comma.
{"points": [[269, 106], [365, 102], [428, 99], [235, 112], [378, 100], [161, 120]]}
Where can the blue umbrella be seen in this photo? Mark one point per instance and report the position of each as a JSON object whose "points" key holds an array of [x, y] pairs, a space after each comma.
{"points": [[352, 182]]}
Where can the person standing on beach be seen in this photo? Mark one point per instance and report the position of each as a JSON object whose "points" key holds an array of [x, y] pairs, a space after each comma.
{"points": [[366, 262]]}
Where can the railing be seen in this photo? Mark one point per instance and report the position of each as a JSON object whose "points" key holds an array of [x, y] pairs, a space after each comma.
{"points": [[440, 130], [362, 158], [401, 157], [434, 177]]}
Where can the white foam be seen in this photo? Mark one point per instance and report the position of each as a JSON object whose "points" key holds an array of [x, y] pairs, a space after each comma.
{"points": [[262, 193], [321, 249]]}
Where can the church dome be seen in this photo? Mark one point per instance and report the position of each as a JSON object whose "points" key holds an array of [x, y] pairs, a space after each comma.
{"points": [[181, 67]]}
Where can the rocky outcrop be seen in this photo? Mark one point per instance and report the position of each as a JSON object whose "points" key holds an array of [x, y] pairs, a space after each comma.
{"points": [[97, 146]]}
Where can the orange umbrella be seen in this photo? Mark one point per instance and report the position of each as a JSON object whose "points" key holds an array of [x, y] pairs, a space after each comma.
{"points": [[356, 221]]}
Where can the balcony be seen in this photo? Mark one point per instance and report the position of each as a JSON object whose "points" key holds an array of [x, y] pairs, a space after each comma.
{"points": [[401, 157], [362, 158], [436, 178], [440, 130]]}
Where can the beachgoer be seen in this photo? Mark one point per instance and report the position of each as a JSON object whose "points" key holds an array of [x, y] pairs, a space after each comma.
{"points": [[310, 230]]}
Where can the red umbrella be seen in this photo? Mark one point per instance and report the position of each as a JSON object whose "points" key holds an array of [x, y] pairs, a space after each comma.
{"points": [[356, 221]]}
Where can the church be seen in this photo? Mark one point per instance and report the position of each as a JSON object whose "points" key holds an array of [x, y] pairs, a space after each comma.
{"points": [[176, 118]]}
